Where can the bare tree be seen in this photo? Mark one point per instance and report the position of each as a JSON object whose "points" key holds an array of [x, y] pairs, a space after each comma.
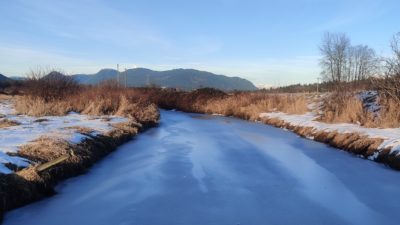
{"points": [[393, 63], [389, 83], [342, 62], [362, 63], [334, 50]]}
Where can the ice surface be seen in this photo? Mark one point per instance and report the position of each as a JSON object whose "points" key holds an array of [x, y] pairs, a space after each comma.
{"points": [[11, 138], [215, 170]]}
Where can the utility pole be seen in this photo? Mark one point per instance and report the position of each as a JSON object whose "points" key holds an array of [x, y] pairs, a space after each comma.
{"points": [[318, 85], [118, 74], [126, 83]]}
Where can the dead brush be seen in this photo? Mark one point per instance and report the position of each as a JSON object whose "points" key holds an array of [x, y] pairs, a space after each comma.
{"points": [[45, 149], [250, 105], [5, 97], [347, 108], [50, 85], [35, 106], [106, 98], [389, 114], [344, 108]]}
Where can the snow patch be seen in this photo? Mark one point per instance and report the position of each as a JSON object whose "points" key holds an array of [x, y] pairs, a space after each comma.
{"points": [[391, 136], [370, 101], [31, 128]]}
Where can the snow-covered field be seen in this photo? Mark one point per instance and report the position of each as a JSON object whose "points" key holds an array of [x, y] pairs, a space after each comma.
{"points": [[30, 128]]}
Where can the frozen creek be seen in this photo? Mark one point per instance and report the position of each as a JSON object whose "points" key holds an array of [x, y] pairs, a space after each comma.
{"points": [[209, 170]]}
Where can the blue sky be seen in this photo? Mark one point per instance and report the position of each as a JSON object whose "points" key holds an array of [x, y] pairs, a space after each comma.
{"points": [[267, 42]]}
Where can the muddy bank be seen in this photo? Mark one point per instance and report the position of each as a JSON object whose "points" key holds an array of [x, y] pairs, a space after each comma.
{"points": [[31, 184], [361, 145]]}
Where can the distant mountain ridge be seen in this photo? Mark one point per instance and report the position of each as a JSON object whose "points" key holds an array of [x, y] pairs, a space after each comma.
{"points": [[186, 79], [4, 78]]}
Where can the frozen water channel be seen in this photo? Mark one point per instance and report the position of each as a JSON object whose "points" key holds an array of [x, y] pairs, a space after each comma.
{"points": [[202, 170]]}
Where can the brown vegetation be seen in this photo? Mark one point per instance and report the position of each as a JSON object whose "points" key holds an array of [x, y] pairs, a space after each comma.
{"points": [[245, 105], [389, 113], [49, 86], [8, 123], [343, 108], [346, 107], [104, 99], [5, 97]]}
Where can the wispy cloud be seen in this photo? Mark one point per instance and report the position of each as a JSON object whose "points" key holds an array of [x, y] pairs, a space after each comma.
{"points": [[89, 20]]}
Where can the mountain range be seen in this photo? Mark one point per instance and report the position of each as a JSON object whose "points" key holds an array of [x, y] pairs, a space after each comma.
{"points": [[4, 78], [5, 81], [186, 79]]}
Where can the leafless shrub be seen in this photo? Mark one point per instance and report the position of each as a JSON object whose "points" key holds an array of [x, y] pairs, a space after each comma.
{"points": [[106, 98], [344, 108], [389, 84], [50, 86], [393, 63]]}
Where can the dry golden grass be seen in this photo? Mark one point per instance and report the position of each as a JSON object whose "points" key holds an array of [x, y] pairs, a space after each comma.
{"points": [[34, 106], [344, 108], [82, 130], [99, 100], [250, 105], [389, 113], [45, 149], [347, 108], [245, 105], [5, 97]]}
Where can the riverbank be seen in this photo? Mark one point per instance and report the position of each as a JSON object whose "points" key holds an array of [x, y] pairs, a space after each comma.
{"points": [[379, 145], [38, 152]]}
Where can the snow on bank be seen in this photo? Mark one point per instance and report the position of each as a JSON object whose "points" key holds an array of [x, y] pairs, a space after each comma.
{"points": [[391, 136], [370, 101], [31, 128]]}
